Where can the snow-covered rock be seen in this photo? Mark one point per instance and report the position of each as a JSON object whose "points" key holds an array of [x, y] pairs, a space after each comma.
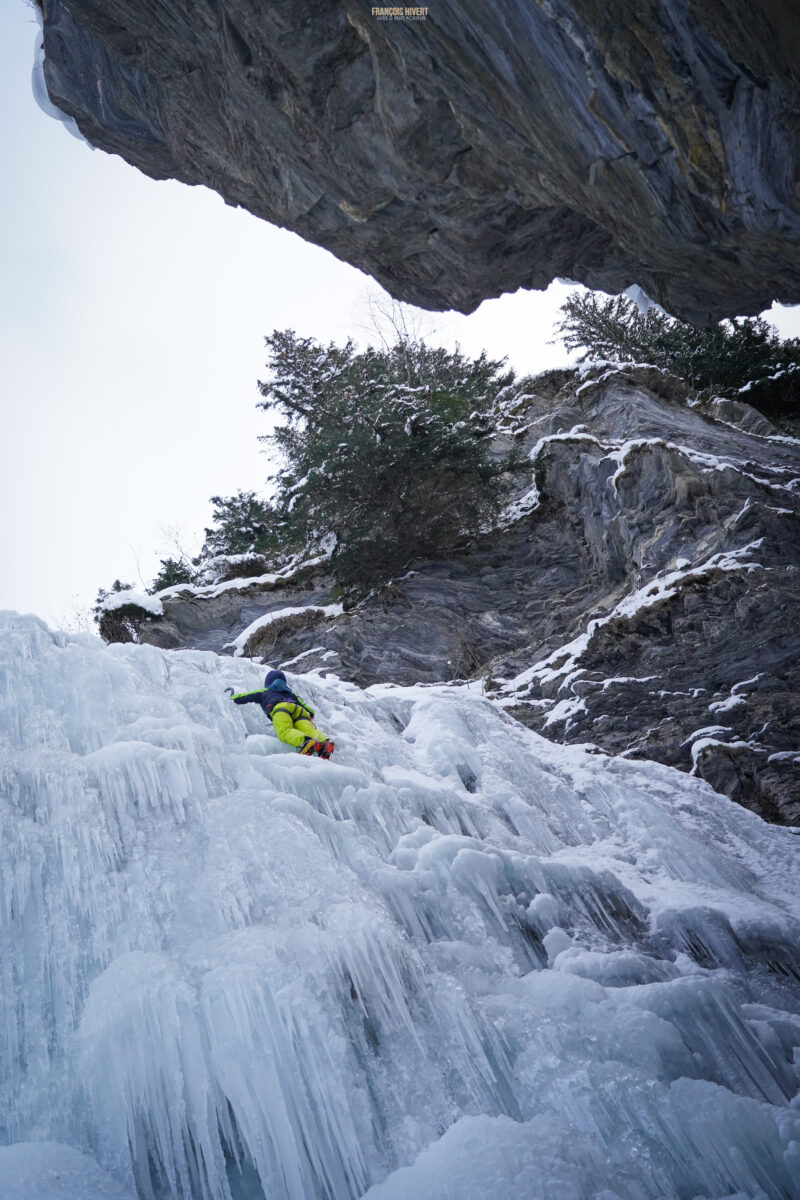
{"points": [[648, 562], [129, 596]]}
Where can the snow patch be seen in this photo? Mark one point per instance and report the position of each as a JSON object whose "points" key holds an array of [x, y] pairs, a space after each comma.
{"points": [[641, 299], [151, 604], [704, 743], [208, 591], [326, 610], [523, 506], [723, 706]]}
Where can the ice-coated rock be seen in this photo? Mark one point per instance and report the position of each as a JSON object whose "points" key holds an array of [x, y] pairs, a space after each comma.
{"points": [[456, 962], [229, 972], [496, 144]]}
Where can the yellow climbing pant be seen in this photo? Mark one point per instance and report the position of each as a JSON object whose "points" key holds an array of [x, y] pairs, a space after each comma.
{"points": [[294, 733]]}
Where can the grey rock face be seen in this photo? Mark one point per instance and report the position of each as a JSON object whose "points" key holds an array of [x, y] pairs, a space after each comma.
{"points": [[642, 595], [211, 618], [497, 144]]}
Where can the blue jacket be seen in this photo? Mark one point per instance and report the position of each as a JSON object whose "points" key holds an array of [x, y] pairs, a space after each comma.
{"points": [[278, 693]]}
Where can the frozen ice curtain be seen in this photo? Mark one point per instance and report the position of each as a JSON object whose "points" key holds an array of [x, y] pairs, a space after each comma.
{"points": [[456, 962]]}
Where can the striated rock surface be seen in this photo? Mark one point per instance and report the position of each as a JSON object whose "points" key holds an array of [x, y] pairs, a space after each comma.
{"points": [[642, 594], [497, 144]]}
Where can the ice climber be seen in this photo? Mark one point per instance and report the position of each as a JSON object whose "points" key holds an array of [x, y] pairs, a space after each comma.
{"points": [[290, 716]]}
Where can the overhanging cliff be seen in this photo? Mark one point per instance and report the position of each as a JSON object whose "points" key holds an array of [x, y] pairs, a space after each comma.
{"points": [[496, 144]]}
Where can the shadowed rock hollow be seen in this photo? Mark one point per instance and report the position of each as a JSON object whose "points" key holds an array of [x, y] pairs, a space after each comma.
{"points": [[497, 144]]}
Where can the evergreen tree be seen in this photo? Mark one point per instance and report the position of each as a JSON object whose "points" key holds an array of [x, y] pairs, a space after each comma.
{"points": [[172, 571], [387, 450], [722, 359], [241, 524]]}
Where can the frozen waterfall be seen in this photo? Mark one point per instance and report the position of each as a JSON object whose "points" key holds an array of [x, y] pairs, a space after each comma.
{"points": [[455, 963]]}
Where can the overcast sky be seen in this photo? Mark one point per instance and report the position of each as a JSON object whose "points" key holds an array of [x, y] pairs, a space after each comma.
{"points": [[133, 319]]}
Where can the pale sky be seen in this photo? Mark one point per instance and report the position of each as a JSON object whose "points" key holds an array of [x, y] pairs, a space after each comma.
{"points": [[131, 342]]}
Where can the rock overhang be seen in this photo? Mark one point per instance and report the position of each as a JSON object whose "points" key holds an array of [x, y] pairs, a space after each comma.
{"points": [[491, 146]]}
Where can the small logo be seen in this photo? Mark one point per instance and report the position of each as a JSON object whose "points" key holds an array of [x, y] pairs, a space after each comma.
{"points": [[400, 14]]}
